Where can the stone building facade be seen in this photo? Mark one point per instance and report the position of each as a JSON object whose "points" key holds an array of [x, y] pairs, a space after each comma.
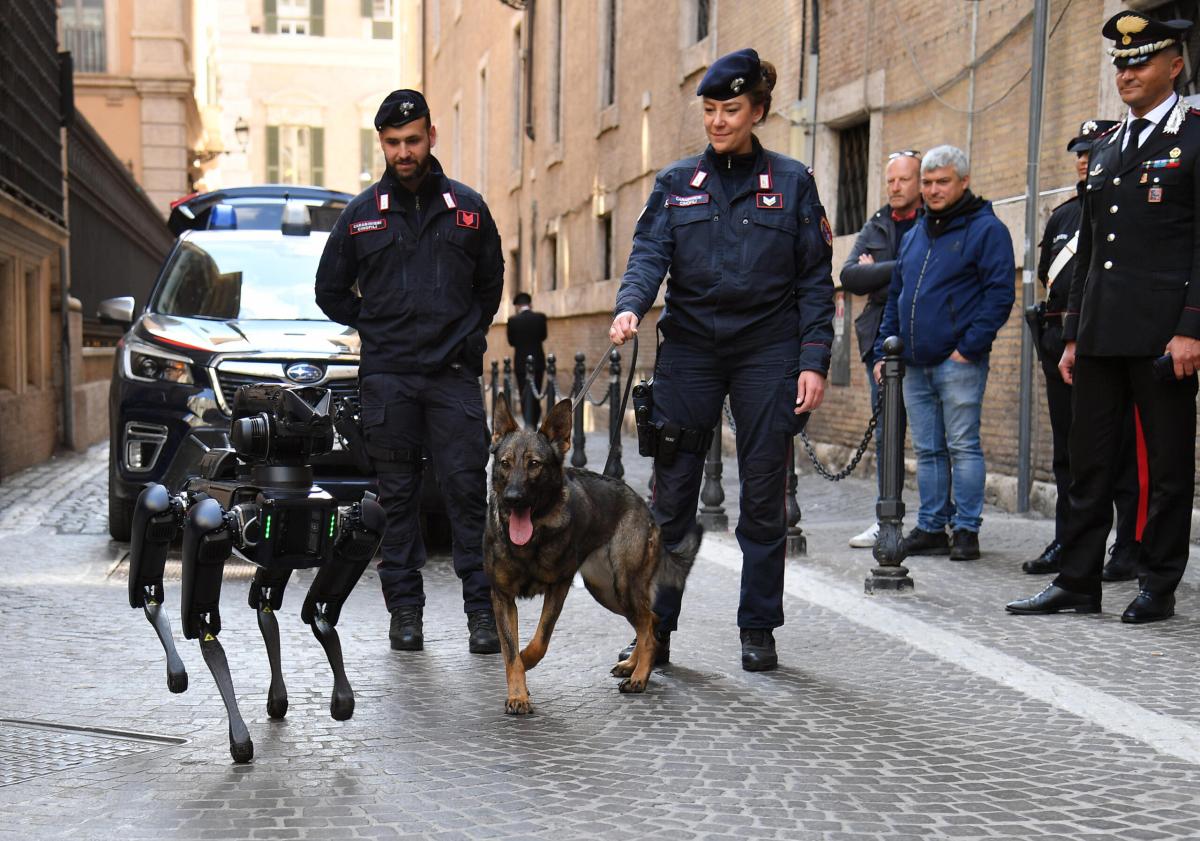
{"points": [[303, 78], [561, 113]]}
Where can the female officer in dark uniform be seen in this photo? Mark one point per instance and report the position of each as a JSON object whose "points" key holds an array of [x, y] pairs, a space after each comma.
{"points": [[749, 314]]}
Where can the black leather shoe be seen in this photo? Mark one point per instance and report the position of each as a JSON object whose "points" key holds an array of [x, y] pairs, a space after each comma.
{"points": [[1122, 562], [921, 542], [1148, 607], [758, 650], [1046, 562], [662, 654], [1055, 599], [965, 546], [482, 626], [406, 632]]}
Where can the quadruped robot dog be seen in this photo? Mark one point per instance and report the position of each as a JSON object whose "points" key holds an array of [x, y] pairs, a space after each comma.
{"points": [[257, 499]]}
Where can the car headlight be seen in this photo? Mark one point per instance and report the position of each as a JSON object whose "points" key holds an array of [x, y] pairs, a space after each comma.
{"points": [[150, 363]]}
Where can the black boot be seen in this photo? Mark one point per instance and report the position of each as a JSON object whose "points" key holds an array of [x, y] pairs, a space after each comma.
{"points": [[662, 654], [1122, 562], [482, 626], [758, 650], [406, 632], [965, 546], [921, 542], [1045, 563]]}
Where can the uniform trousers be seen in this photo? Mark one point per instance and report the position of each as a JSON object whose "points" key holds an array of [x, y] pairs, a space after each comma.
{"points": [[690, 385], [1105, 386], [443, 412], [1126, 491]]}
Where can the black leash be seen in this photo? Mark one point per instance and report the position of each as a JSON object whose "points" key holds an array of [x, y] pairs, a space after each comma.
{"points": [[615, 437]]}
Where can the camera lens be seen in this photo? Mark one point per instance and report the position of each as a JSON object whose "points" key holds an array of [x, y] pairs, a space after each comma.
{"points": [[251, 436]]}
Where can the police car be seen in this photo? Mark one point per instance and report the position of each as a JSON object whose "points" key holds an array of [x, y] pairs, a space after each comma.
{"points": [[230, 307]]}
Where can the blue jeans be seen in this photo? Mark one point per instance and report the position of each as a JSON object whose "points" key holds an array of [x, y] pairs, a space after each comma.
{"points": [[944, 403]]}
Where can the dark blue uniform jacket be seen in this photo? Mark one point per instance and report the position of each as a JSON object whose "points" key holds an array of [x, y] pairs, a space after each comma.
{"points": [[953, 291], [429, 286], [747, 270]]}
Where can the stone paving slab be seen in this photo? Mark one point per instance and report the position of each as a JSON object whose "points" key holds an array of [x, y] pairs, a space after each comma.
{"points": [[859, 735]]}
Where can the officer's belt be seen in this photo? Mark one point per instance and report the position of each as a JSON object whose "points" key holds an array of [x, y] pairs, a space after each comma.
{"points": [[1064, 256], [387, 460]]}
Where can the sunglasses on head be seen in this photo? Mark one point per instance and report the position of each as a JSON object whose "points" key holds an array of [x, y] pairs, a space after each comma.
{"points": [[906, 153]]}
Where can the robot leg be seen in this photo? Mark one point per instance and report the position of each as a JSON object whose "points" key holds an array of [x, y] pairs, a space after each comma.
{"points": [[156, 518], [361, 533], [266, 597], [207, 544]]}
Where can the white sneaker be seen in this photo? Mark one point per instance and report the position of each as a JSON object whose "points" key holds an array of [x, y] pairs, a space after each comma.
{"points": [[866, 540]]}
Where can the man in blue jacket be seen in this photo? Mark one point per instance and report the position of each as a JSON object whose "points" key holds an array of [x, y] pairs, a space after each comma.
{"points": [[952, 289]]}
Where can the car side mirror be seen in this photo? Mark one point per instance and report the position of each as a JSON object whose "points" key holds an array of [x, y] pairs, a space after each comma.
{"points": [[116, 310]]}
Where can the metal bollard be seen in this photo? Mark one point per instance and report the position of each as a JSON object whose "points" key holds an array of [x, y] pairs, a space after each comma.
{"points": [[712, 513], [508, 392], [890, 575], [495, 387], [797, 543], [578, 442], [528, 398], [613, 466], [551, 390]]}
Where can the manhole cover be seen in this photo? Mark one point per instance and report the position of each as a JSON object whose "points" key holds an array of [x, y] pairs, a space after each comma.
{"points": [[30, 749]]}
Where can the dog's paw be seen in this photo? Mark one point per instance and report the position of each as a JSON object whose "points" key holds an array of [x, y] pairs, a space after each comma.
{"points": [[632, 685], [518, 706], [623, 669]]}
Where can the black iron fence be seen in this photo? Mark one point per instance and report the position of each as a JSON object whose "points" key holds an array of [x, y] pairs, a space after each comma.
{"points": [[31, 106]]}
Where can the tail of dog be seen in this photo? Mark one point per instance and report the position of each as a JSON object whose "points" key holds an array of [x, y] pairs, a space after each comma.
{"points": [[676, 564]]}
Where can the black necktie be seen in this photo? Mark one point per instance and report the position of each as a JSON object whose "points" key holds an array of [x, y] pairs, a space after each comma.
{"points": [[1135, 136]]}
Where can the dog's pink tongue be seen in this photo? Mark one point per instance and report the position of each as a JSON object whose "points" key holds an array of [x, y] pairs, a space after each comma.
{"points": [[520, 526]]}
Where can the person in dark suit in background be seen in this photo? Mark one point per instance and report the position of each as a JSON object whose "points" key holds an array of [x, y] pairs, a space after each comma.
{"points": [[526, 332], [1132, 329]]}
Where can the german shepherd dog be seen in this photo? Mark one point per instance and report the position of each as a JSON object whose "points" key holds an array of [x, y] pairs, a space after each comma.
{"points": [[545, 523]]}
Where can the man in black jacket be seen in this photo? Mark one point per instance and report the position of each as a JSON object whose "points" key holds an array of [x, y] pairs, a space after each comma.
{"points": [[1055, 269], [526, 332], [868, 271], [425, 255]]}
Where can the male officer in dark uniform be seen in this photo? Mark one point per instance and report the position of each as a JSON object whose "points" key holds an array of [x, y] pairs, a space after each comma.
{"points": [[526, 332], [426, 256], [1055, 270], [1133, 322]]}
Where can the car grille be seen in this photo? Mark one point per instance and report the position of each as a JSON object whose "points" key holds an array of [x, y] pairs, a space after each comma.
{"points": [[230, 383]]}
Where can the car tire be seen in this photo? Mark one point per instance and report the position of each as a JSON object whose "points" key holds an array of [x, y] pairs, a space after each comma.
{"points": [[120, 509], [436, 533]]}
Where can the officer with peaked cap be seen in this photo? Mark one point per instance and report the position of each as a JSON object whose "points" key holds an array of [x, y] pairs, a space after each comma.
{"points": [[425, 255], [749, 313], [1132, 328], [1055, 269]]}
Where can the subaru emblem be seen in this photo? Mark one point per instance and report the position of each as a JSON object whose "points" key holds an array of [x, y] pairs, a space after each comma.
{"points": [[304, 372]]}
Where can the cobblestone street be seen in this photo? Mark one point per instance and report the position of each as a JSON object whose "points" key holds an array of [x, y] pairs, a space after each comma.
{"points": [[927, 716]]}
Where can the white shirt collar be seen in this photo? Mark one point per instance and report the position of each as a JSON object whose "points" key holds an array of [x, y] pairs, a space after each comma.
{"points": [[1157, 113]]}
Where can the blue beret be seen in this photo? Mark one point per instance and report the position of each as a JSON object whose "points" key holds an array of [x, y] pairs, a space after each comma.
{"points": [[731, 75], [1136, 36], [399, 108]]}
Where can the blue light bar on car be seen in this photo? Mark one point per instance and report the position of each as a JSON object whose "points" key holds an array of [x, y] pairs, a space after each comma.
{"points": [[223, 217]]}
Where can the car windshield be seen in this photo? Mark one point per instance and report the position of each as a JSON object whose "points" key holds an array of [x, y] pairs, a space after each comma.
{"points": [[236, 277]]}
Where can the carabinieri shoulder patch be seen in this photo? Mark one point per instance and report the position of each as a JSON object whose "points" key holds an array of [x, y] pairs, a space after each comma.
{"points": [[367, 225]]}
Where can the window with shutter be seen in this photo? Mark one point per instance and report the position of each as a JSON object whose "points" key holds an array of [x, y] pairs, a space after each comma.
{"points": [[272, 154], [317, 161]]}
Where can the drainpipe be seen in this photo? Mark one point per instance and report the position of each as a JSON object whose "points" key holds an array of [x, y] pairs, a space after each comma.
{"points": [[812, 70], [66, 69], [529, 42], [1037, 81]]}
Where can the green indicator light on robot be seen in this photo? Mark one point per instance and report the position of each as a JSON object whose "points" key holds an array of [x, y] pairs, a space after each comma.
{"points": [[267, 534], [332, 523]]}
